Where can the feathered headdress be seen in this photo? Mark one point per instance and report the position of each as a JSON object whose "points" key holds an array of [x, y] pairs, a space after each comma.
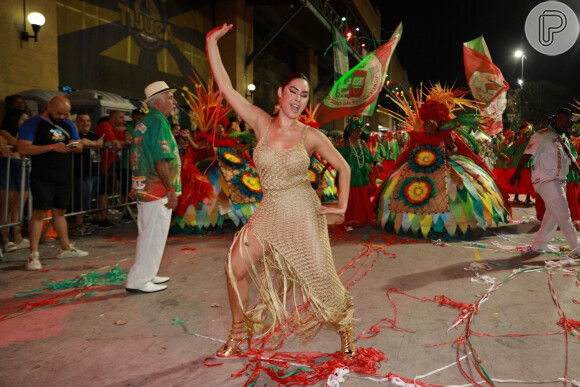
{"points": [[439, 103], [207, 108], [576, 105]]}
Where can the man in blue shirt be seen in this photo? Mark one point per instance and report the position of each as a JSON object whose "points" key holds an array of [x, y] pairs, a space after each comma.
{"points": [[47, 139]]}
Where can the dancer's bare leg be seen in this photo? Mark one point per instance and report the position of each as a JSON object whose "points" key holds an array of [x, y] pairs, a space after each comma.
{"points": [[240, 271]]}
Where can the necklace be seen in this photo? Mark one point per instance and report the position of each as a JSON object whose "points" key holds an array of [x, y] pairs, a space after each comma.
{"points": [[360, 160]]}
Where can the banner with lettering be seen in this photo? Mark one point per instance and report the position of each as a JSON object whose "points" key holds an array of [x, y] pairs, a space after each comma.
{"points": [[356, 92], [486, 83], [122, 45]]}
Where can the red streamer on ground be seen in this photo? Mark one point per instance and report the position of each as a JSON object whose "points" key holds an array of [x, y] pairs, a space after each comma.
{"points": [[569, 324], [308, 368], [51, 301], [294, 369], [188, 248], [464, 308]]}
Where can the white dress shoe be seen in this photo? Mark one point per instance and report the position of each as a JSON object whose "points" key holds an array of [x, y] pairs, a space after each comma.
{"points": [[149, 287], [160, 280]]}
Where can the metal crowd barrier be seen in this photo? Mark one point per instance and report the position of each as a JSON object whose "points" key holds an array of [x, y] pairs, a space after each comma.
{"points": [[116, 184], [116, 181]]}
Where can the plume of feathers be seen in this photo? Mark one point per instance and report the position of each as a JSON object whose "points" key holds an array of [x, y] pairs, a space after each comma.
{"points": [[307, 116], [576, 105], [206, 105], [454, 99]]}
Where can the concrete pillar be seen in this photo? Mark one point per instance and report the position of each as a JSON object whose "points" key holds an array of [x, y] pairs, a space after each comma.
{"points": [[238, 44]]}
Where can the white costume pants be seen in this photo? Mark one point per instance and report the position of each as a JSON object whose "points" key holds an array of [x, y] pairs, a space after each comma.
{"points": [[557, 214], [153, 223]]}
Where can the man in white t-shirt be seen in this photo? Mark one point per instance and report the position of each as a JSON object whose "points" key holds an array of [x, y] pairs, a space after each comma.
{"points": [[551, 162]]}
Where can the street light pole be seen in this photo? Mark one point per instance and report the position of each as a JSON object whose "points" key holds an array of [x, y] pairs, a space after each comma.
{"points": [[520, 54]]}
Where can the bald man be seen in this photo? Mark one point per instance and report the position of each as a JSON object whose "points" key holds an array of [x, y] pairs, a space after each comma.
{"points": [[47, 139]]}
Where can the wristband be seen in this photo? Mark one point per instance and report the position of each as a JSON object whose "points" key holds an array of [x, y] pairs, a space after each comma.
{"points": [[170, 190], [51, 147]]}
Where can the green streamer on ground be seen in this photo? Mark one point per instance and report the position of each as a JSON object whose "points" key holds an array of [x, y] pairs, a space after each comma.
{"points": [[477, 363], [507, 264], [177, 321], [297, 370], [114, 276]]}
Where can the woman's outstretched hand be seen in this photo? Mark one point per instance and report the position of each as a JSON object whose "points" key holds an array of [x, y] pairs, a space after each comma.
{"points": [[324, 210], [218, 32]]}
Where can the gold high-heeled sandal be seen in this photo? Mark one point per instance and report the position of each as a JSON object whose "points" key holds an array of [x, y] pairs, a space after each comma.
{"points": [[232, 346], [347, 348]]}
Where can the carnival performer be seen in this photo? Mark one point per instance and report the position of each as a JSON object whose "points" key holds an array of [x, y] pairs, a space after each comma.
{"points": [[502, 159], [439, 185], [515, 152], [359, 210], [375, 147], [402, 139], [572, 180], [284, 248], [222, 160], [552, 161], [391, 154], [196, 188]]}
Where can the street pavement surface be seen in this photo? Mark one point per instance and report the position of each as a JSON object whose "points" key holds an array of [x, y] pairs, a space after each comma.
{"points": [[446, 313]]}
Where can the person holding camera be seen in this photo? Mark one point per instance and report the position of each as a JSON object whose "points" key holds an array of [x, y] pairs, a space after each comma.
{"points": [[47, 138], [552, 160]]}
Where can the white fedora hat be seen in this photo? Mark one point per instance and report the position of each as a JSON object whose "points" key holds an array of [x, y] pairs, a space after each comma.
{"points": [[156, 88]]}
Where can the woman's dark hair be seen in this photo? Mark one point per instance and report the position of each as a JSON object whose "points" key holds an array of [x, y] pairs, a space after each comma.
{"points": [[291, 77], [9, 100], [346, 134]]}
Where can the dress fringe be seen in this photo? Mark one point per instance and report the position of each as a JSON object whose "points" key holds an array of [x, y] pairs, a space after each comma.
{"points": [[277, 283]]}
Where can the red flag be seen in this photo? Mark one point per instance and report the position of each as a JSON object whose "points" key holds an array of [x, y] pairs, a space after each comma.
{"points": [[486, 83], [356, 91]]}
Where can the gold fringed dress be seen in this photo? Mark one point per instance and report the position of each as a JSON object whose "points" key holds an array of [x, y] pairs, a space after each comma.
{"points": [[298, 287]]}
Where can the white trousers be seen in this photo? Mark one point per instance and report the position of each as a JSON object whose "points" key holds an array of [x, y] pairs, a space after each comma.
{"points": [[557, 214], [153, 223]]}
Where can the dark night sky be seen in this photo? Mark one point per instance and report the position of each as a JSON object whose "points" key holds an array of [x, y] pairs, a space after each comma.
{"points": [[433, 32]]}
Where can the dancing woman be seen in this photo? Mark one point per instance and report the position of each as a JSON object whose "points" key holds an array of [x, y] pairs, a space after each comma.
{"points": [[284, 248]]}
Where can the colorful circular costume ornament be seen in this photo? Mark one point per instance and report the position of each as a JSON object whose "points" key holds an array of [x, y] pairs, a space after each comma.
{"points": [[426, 158], [231, 158], [417, 191], [249, 184]]}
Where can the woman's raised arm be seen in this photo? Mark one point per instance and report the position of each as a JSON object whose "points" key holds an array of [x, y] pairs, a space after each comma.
{"points": [[253, 115]]}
